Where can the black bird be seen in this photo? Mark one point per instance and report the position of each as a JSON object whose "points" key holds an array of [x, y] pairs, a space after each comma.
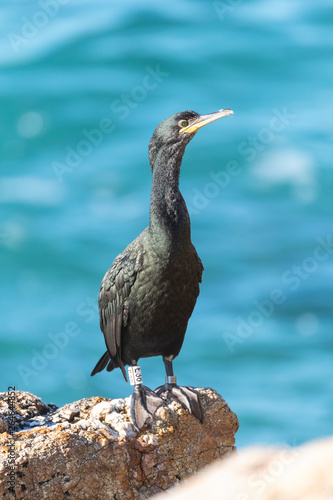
{"points": [[148, 294]]}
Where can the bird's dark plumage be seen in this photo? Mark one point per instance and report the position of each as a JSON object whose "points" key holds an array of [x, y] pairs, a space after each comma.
{"points": [[148, 295]]}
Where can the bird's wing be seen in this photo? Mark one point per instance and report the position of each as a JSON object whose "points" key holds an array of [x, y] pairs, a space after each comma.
{"points": [[199, 265], [113, 301]]}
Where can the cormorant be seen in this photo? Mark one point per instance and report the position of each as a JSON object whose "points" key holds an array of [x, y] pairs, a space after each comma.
{"points": [[148, 294]]}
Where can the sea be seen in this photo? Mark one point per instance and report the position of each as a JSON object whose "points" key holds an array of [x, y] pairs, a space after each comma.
{"points": [[82, 87]]}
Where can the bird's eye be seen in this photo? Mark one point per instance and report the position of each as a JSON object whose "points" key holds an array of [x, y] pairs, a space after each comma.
{"points": [[183, 123]]}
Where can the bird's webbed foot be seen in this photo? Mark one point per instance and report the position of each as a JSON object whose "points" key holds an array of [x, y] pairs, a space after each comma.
{"points": [[144, 401], [186, 396]]}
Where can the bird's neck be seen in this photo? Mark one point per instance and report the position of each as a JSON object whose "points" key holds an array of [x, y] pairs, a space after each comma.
{"points": [[169, 217]]}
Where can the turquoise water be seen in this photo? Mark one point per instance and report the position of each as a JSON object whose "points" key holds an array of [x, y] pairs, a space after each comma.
{"points": [[82, 87]]}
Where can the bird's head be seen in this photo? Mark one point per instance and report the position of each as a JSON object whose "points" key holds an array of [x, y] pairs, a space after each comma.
{"points": [[179, 129]]}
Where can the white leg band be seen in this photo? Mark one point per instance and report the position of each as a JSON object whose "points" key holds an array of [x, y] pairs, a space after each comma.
{"points": [[134, 373]]}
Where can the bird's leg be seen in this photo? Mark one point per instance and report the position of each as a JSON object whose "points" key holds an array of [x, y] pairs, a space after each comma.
{"points": [[144, 401], [170, 379], [186, 396]]}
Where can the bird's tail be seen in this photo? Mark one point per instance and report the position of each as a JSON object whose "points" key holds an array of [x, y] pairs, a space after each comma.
{"points": [[111, 365]]}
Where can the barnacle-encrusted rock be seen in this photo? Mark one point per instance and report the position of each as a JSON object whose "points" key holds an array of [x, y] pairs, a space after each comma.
{"points": [[90, 449]]}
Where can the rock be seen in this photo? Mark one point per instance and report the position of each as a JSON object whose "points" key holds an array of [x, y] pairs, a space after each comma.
{"points": [[90, 449], [27, 406], [265, 473]]}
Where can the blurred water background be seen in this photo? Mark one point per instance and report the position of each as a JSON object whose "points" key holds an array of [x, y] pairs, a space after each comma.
{"points": [[82, 86]]}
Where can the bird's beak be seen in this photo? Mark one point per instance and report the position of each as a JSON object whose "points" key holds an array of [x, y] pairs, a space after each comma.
{"points": [[203, 120]]}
